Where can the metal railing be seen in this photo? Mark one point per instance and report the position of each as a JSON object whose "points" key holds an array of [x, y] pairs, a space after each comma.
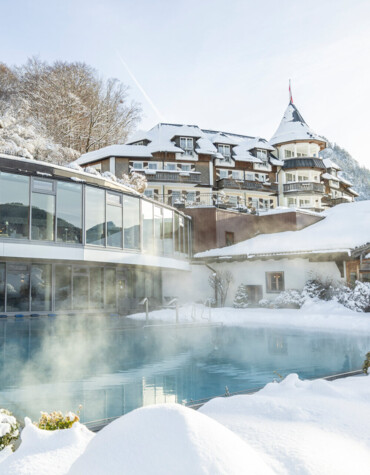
{"points": [[172, 177], [246, 184]]}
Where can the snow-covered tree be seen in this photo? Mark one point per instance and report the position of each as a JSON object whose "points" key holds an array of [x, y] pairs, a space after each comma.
{"points": [[241, 297], [9, 429], [137, 181], [220, 283]]}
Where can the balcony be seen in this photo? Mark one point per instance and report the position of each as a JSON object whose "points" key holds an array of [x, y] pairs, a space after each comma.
{"points": [[246, 185], [336, 201], [171, 176], [304, 187]]}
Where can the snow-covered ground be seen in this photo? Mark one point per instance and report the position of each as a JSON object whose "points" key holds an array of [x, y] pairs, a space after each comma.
{"points": [[314, 315], [292, 427]]}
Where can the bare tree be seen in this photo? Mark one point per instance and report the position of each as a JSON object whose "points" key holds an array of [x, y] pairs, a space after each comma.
{"points": [[220, 283], [77, 108]]}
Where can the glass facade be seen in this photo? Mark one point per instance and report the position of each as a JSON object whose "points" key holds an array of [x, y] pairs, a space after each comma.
{"points": [[97, 287], [69, 212], [42, 209], [95, 216], [14, 205]]}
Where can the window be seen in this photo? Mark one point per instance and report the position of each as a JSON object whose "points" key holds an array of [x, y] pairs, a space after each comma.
{"points": [[224, 150], [43, 210], [262, 154], [304, 203], [63, 287], [147, 214], [274, 282], [114, 220], [158, 230], [97, 287], [137, 165], [18, 280], [69, 212], [186, 167], [229, 238], [237, 174], [149, 193], [41, 287], [303, 178], [152, 166], [191, 196], [131, 218], [170, 166], [2, 287], [186, 143], [168, 231], [249, 176], [224, 174], [110, 289], [95, 216], [288, 153], [289, 177], [14, 205], [291, 201]]}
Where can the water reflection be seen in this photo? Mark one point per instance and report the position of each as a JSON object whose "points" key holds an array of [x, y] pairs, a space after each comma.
{"points": [[111, 365]]}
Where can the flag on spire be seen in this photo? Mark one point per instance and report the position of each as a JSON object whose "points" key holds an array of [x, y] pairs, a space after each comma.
{"points": [[290, 93]]}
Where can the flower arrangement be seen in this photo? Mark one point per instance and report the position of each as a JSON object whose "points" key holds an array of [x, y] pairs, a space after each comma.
{"points": [[56, 420]]}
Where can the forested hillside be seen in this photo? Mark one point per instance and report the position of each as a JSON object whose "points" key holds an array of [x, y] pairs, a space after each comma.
{"points": [[351, 169], [55, 112]]}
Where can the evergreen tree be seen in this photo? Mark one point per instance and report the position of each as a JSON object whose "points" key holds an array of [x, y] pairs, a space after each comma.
{"points": [[241, 297]]}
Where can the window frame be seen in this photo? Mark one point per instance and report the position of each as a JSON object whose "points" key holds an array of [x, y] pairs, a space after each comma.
{"points": [[268, 276]]}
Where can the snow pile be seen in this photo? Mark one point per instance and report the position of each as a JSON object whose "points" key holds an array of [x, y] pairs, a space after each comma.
{"points": [[46, 452], [168, 439], [345, 227], [311, 427], [313, 315]]}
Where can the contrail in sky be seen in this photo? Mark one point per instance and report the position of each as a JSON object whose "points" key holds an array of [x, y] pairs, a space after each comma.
{"points": [[160, 116]]}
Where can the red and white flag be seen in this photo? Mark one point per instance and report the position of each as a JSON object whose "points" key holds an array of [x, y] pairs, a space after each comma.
{"points": [[290, 94]]}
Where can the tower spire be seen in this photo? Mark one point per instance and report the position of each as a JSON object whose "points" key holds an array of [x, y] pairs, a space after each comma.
{"points": [[290, 94]]}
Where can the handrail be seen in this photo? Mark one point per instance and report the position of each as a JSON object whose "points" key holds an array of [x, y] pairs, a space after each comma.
{"points": [[146, 302]]}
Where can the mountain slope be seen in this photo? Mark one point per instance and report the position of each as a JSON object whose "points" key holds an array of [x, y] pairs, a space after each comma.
{"points": [[351, 169]]}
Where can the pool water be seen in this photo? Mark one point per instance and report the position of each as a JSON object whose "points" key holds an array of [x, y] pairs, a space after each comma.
{"points": [[111, 365]]}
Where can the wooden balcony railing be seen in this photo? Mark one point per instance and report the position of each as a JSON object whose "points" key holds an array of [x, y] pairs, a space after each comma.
{"points": [[246, 185], [304, 187]]}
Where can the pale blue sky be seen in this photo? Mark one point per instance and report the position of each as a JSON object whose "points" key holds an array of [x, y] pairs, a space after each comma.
{"points": [[218, 64]]}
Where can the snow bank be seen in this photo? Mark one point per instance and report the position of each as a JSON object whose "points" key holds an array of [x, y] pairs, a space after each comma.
{"points": [[46, 452], [314, 315], [168, 439], [306, 427]]}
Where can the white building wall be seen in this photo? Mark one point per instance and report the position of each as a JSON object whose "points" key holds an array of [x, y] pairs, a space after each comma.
{"points": [[194, 286]]}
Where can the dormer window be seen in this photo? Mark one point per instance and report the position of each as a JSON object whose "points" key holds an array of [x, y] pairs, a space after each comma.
{"points": [[187, 144], [139, 143], [225, 151], [262, 154]]}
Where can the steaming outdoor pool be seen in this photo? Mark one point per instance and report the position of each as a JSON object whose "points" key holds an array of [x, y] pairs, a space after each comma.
{"points": [[112, 365]]}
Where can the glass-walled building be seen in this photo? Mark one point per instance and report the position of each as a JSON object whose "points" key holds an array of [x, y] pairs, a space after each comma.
{"points": [[72, 241]]}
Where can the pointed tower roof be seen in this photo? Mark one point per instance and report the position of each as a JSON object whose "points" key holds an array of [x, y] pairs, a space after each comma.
{"points": [[293, 128]]}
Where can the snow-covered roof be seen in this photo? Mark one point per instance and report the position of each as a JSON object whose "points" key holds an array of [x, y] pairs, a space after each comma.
{"points": [[223, 138], [345, 227], [352, 191], [328, 176], [293, 127], [140, 151], [346, 182], [275, 161], [330, 164]]}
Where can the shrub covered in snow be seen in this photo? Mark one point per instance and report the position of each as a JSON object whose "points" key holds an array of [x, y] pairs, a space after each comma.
{"points": [[9, 428], [366, 365], [320, 289], [264, 303], [289, 299], [241, 297], [55, 420], [356, 298]]}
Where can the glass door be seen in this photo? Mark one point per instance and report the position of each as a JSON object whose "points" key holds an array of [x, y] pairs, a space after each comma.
{"points": [[80, 288]]}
